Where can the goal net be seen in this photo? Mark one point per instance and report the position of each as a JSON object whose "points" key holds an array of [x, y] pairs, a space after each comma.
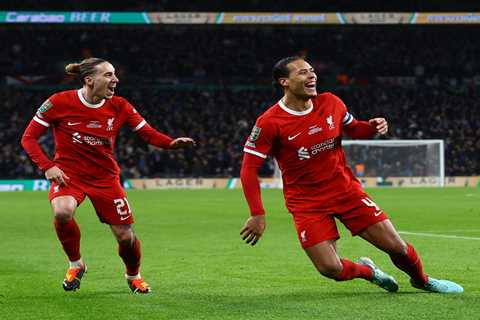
{"points": [[411, 160]]}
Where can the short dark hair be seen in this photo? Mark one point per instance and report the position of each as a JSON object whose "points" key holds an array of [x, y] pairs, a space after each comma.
{"points": [[280, 70]]}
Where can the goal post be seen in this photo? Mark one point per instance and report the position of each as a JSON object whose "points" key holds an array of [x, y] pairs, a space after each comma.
{"points": [[384, 159]]}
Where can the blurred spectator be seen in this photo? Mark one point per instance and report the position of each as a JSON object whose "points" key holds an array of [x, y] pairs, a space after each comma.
{"points": [[211, 82]]}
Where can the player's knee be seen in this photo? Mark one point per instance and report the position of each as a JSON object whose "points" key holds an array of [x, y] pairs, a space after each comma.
{"points": [[125, 238], [63, 213], [330, 270]]}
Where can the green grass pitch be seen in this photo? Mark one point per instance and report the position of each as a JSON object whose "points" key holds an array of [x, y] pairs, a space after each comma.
{"points": [[199, 269]]}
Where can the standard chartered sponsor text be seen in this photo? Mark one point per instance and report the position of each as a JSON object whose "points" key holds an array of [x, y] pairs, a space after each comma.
{"points": [[322, 146]]}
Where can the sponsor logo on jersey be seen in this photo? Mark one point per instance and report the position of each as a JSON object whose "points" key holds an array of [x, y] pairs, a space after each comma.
{"points": [[77, 137], [303, 153], [73, 123], [294, 136], [94, 124], [306, 153], [330, 123], [110, 123], [323, 146], [255, 133], [314, 129], [90, 140], [45, 106]]}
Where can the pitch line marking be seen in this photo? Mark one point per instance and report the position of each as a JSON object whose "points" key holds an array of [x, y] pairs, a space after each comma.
{"points": [[422, 234], [450, 231]]}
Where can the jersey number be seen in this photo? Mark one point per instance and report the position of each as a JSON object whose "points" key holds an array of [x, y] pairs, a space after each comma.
{"points": [[369, 203], [123, 208]]}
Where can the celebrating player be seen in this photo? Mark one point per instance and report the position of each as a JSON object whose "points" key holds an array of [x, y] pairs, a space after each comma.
{"points": [[85, 123], [303, 132]]}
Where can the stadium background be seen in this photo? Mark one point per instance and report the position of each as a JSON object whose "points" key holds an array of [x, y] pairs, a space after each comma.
{"points": [[211, 81]]}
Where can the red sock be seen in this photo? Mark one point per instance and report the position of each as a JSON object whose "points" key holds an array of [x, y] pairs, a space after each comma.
{"points": [[352, 270], [130, 255], [69, 235], [411, 265]]}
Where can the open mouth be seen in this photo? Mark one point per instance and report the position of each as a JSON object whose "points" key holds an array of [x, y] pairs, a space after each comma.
{"points": [[111, 89], [311, 85]]}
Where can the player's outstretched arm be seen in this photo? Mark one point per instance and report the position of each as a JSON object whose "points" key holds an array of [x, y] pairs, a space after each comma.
{"points": [[182, 142], [254, 227], [379, 124], [160, 140], [366, 129]]}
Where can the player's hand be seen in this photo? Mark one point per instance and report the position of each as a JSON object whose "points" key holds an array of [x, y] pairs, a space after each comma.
{"points": [[57, 175], [182, 142], [380, 124], [253, 229]]}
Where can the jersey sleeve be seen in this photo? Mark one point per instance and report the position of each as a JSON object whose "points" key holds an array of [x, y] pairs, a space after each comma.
{"points": [[48, 112], [140, 126], [133, 119], [30, 143], [250, 184], [351, 126], [347, 117], [260, 141], [46, 115]]}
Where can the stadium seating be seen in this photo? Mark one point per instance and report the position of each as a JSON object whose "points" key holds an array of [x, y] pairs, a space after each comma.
{"points": [[211, 83]]}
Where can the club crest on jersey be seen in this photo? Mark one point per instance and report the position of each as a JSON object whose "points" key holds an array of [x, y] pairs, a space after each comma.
{"points": [[330, 123], [110, 124], [45, 106], [255, 133]]}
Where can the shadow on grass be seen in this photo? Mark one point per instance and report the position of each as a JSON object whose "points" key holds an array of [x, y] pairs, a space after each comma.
{"points": [[189, 296]]}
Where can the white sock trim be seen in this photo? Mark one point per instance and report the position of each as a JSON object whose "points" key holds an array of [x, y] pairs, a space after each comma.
{"points": [[135, 277], [76, 264]]}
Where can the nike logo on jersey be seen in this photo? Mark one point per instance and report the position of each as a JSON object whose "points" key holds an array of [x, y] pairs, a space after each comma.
{"points": [[293, 137], [124, 218], [73, 123], [377, 213]]}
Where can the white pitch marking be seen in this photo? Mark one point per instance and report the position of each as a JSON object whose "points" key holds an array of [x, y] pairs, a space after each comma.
{"points": [[451, 231], [422, 234]]}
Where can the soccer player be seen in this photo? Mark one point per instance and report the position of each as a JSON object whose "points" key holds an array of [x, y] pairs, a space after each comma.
{"points": [[85, 123], [303, 132]]}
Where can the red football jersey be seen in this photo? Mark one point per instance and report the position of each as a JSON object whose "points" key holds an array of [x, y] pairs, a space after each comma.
{"points": [[85, 133], [307, 147]]}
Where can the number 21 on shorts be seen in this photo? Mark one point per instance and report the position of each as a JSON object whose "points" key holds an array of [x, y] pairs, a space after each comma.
{"points": [[123, 208]]}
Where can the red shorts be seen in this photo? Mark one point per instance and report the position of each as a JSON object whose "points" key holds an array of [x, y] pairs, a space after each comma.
{"points": [[110, 202], [356, 212]]}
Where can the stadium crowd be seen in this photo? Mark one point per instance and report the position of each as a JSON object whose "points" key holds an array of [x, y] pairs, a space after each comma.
{"points": [[229, 54], [211, 84]]}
